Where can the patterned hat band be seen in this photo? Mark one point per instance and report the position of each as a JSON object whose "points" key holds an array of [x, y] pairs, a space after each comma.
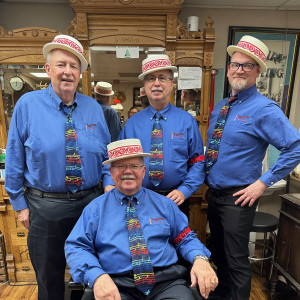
{"points": [[69, 43], [253, 49], [123, 149], [156, 63], [103, 91]]}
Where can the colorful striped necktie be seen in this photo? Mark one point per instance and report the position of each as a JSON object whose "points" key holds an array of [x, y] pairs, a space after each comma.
{"points": [[143, 274], [156, 160], [214, 144], [73, 162]]}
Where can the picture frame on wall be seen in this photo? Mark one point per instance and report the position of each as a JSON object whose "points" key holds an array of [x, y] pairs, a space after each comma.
{"points": [[136, 100], [283, 44]]}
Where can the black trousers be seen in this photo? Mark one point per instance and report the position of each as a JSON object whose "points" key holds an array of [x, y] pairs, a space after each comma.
{"points": [[51, 221], [170, 284], [230, 227]]}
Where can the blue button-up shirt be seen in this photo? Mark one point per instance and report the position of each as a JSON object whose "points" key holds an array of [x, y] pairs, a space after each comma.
{"points": [[99, 241], [181, 142], [36, 150], [253, 123]]}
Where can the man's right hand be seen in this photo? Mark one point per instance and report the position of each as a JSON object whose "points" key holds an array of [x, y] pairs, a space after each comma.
{"points": [[105, 288], [23, 216]]}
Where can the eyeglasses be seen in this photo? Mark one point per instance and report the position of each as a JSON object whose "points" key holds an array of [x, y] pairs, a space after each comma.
{"points": [[152, 78], [132, 167], [246, 67]]}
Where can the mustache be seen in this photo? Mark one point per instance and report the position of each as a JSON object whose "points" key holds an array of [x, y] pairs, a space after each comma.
{"points": [[156, 90], [127, 177]]}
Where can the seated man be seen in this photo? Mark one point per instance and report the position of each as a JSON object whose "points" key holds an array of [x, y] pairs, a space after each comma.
{"points": [[126, 241]]}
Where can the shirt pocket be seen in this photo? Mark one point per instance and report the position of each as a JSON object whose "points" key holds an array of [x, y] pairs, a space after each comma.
{"points": [[178, 147], [157, 232]]}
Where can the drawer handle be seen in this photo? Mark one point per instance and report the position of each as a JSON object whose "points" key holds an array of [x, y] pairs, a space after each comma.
{"points": [[25, 269], [20, 234]]}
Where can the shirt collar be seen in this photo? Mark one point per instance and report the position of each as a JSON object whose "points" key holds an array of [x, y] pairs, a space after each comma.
{"points": [[164, 112], [245, 94], [140, 195]]}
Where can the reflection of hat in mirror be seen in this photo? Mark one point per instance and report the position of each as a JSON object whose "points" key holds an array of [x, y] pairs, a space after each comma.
{"points": [[155, 63], [142, 92], [252, 47], [103, 88], [68, 43], [122, 149]]}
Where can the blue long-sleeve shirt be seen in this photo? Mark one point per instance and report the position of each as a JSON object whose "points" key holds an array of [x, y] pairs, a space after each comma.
{"points": [[99, 241], [181, 143], [112, 120], [36, 151], [253, 123]]}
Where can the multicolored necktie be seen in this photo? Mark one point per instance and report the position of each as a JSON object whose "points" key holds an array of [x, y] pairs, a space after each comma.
{"points": [[73, 162], [143, 274], [214, 144], [156, 160]]}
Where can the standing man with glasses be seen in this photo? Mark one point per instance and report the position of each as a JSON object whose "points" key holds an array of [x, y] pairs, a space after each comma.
{"points": [[126, 242], [56, 145], [241, 128], [171, 135]]}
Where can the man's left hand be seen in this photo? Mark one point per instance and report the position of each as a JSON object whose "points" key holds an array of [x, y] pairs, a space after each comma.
{"points": [[177, 197], [203, 274], [250, 194], [108, 188]]}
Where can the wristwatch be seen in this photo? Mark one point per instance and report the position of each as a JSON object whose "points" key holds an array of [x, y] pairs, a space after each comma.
{"points": [[201, 257]]}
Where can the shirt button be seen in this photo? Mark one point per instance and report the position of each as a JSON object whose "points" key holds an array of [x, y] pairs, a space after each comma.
{"points": [[272, 182]]}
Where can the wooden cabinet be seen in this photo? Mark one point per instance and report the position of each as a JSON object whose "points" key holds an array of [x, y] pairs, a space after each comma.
{"points": [[19, 267], [286, 261]]}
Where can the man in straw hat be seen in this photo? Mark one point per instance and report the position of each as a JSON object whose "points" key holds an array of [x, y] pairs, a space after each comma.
{"points": [[234, 164], [176, 165], [56, 145], [103, 93], [99, 250]]}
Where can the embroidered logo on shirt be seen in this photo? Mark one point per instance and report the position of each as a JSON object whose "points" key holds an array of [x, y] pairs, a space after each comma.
{"points": [[156, 220], [180, 135], [241, 118], [90, 126]]}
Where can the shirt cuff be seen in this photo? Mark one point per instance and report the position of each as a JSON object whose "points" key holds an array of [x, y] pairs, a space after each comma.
{"points": [[19, 204], [91, 275], [193, 253], [268, 178], [185, 191]]}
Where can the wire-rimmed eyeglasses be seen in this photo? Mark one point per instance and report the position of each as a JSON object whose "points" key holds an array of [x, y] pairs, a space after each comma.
{"points": [[246, 67], [132, 167], [161, 78]]}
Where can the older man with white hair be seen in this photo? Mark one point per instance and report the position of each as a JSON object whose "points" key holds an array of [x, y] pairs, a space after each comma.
{"points": [[126, 243], [56, 144]]}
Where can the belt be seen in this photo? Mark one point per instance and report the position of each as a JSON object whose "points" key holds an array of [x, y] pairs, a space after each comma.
{"points": [[229, 191], [67, 195]]}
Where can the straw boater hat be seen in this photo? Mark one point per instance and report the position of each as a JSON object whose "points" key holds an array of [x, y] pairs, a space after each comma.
{"points": [[124, 149], [155, 63], [68, 43], [103, 88], [254, 48], [142, 92]]}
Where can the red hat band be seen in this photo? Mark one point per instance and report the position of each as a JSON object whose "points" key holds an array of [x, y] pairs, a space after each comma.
{"points": [[124, 151], [68, 43], [103, 91], [253, 49], [156, 63]]}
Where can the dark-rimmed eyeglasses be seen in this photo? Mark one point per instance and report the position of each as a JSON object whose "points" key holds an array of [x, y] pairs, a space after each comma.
{"points": [[132, 167], [161, 78], [246, 67]]}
